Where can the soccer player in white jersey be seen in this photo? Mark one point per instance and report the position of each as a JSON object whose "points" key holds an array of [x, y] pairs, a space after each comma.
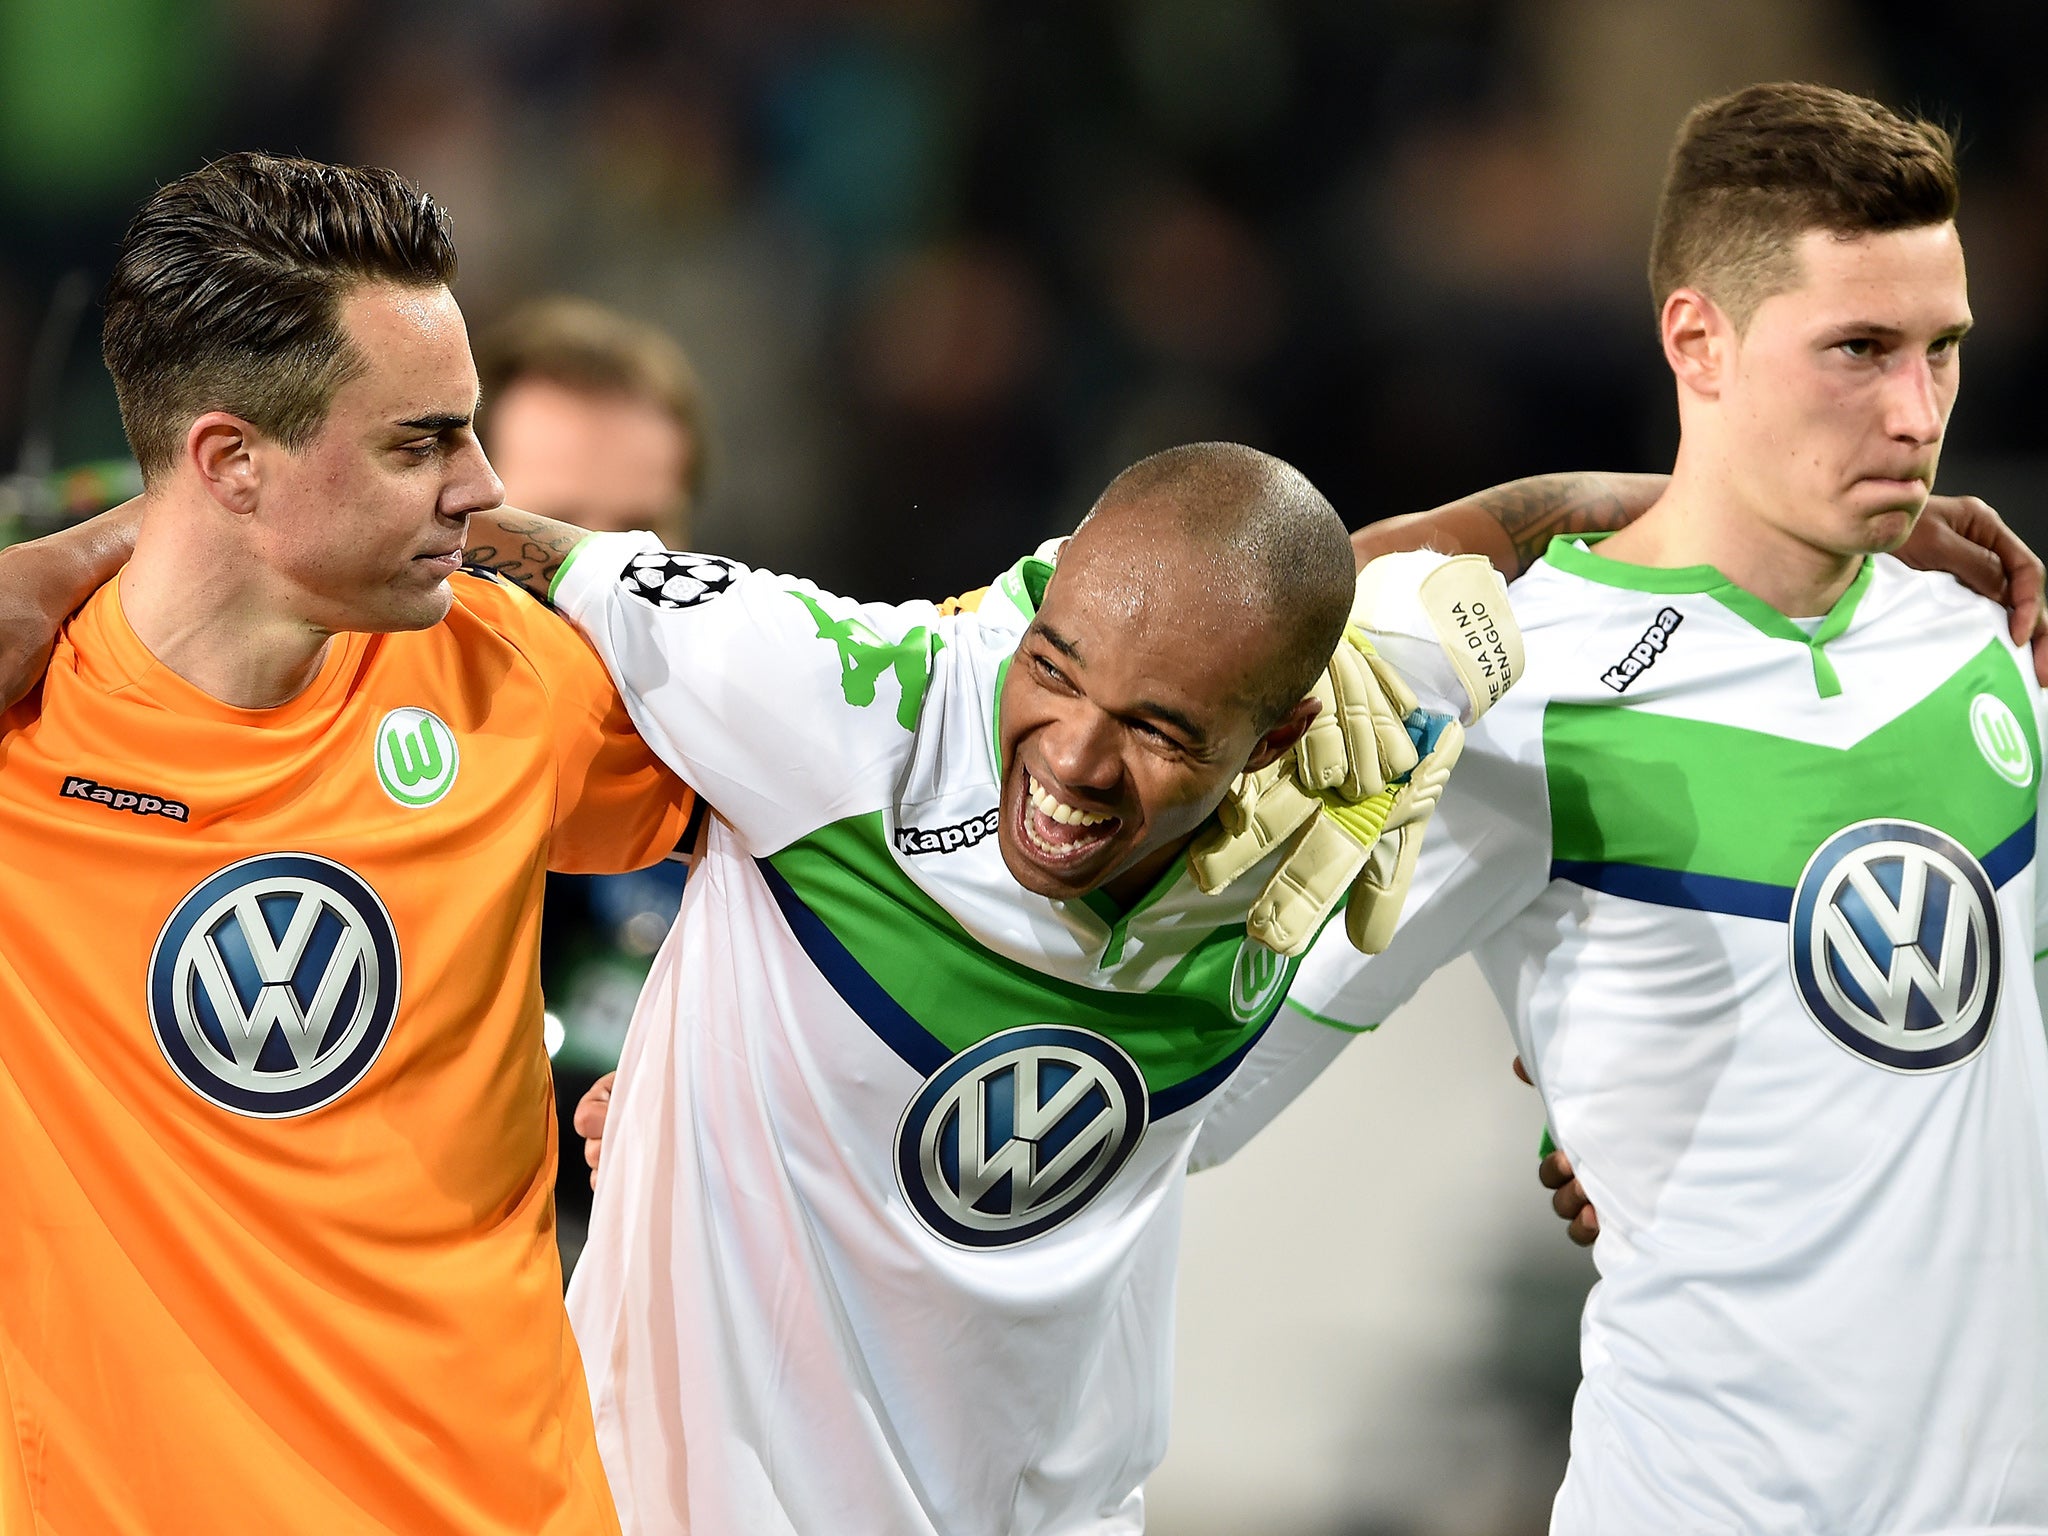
{"points": [[886, 1235], [1749, 858]]}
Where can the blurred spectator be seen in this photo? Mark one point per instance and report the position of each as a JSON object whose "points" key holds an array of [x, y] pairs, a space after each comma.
{"points": [[592, 417]]}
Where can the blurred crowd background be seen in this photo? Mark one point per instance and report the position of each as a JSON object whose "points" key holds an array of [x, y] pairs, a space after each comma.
{"points": [[937, 269]]}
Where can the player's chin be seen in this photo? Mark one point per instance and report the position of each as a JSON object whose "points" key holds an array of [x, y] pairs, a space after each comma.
{"points": [[419, 605], [1887, 528]]}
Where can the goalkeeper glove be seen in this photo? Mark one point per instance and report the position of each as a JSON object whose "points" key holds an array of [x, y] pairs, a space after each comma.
{"points": [[1357, 791]]}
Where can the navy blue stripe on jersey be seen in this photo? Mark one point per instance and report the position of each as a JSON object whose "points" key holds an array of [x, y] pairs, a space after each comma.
{"points": [[1744, 898], [923, 1051], [2010, 856], [1678, 888], [1170, 1101]]}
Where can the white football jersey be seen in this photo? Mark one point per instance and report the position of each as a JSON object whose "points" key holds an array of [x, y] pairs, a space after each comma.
{"points": [[1761, 905], [884, 1243]]}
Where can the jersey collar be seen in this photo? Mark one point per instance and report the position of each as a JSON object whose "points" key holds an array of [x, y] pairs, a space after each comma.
{"points": [[1573, 554]]}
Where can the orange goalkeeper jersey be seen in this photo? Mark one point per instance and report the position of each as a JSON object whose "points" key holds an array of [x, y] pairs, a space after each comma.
{"points": [[276, 1122]]}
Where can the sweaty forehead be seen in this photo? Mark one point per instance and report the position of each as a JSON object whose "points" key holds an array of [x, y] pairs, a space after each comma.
{"points": [[1121, 580]]}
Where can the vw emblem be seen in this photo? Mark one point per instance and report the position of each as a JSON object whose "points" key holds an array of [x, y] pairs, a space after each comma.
{"points": [[1896, 947], [1018, 1133], [273, 986]]}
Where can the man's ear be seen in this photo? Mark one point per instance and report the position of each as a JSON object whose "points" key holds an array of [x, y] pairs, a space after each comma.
{"points": [[1697, 340], [221, 450], [1284, 735]]}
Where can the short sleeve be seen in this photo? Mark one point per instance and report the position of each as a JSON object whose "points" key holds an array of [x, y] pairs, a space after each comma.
{"points": [[786, 706], [617, 805]]}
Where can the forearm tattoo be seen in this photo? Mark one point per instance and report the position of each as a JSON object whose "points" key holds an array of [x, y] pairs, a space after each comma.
{"points": [[520, 548], [1532, 511]]}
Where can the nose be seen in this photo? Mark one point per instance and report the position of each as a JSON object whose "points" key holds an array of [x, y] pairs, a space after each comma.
{"points": [[1916, 403], [473, 486], [1079, 749]]}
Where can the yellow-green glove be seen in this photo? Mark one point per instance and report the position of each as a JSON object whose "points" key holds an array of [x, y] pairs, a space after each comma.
{"points": [[1354, 795]]}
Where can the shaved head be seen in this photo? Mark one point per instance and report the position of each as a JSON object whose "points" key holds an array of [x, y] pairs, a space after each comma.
{"points": [[1173, 649], [1251, 533]]}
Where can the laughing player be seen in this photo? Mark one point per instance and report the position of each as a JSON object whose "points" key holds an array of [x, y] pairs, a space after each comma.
{"points": [[886, 1234]]}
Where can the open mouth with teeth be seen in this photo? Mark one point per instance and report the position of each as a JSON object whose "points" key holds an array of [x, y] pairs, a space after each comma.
{"points": [[1058, 834]]}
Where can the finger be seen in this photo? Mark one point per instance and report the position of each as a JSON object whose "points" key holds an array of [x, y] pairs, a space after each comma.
{"points": [[1584, 1228], [1555, 1171], [1322, 751], [592, 1108], [2024, 581], [593, 1148], [2041, 653], [1569, 1201], [1955, 534], [1523, 1072], [1982, 570]]}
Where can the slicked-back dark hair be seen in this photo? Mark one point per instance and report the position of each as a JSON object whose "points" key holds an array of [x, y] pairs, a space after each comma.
{"points": [[1752, 172], [227, 293]]}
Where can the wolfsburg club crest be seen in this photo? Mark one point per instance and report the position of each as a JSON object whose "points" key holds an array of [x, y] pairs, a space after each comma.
{"points": [[1018, 1133]]}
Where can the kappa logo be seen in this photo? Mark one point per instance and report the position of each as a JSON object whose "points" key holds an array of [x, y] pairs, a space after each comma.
{"points": [[416, 756], [2000, 739], [1644, 653], [1018, 1134], [273, 985], [1896, 950], [137, 802], [949, 839]]}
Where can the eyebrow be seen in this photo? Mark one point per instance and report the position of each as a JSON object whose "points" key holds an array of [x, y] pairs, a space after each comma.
{"points": [[445, 421], [1197, 737], [1058, 641], [1893, 333]]}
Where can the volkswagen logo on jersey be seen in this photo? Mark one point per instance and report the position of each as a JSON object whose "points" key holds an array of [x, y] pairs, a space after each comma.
{"points": [[273, 986], [1018, 1133], [1895, 945]]}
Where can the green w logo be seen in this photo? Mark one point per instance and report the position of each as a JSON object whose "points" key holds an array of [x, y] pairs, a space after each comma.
{"points": [[864, 656], [416, 757]]}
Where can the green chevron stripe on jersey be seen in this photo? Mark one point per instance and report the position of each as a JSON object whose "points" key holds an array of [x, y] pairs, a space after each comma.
{"points": [[918, 955], [1629, 786]]}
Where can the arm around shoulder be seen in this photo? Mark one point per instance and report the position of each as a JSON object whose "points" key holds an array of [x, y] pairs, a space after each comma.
{"points": [[1512, 524], [45, 581]]}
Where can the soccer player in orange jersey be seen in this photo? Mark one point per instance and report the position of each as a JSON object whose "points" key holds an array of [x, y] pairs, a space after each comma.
{"points": [[278, 1250]]}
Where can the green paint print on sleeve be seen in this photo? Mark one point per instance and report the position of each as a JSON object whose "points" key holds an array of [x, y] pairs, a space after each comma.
{"points": [[865, 656]]}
